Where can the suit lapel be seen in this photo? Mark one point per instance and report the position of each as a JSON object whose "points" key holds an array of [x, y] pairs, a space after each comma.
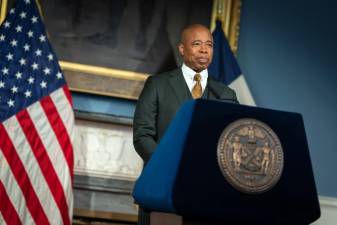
{"points": [[214, 88], [205, 94], [179, 86]]}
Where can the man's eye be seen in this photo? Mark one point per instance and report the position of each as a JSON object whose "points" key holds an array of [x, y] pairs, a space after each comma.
{"points": [[196, 43]]}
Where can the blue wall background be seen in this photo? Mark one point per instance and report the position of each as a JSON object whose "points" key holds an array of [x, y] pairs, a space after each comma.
{"points": [[288, 53]]}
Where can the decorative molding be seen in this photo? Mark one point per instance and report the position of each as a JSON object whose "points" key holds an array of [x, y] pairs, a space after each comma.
{"points": [[106, 85], [116, 186], [99, 117], [106, 166], [103, 81], [98, 205], [328, 202], [328, 211], [105, 150], [85, 213], [103, 71]]}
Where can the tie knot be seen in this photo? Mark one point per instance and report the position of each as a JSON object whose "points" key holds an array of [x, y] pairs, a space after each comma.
{"points": [[197, 77]]}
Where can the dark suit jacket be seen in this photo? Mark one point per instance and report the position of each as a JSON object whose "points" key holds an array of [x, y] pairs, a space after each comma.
{"points": [[162, 96]]}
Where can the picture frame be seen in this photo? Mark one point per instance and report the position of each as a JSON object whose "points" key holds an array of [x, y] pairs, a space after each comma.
{"points": [[108, 81]]}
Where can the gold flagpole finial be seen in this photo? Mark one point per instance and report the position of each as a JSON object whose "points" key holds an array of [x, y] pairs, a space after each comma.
{"points": [[219, 10], [228, 13]]}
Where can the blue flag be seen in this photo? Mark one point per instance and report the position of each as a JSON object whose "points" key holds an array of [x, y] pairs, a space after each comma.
{"points": [[225, 68]]}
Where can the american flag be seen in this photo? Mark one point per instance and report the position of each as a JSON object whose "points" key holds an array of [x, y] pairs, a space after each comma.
{"points": [[36, 129]]}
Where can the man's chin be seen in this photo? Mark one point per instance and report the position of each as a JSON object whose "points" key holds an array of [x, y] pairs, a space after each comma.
{"points": [[202, 67], [198, 67]]}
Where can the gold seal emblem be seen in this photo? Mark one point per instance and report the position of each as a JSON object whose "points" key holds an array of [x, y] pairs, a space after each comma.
{"points": [[250, 156]]}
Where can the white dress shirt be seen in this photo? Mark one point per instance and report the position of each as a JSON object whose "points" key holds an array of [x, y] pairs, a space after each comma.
{"points": [[189, 76]]}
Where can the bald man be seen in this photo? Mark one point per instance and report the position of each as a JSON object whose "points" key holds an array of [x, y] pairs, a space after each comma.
{"points": [[163, 94]]}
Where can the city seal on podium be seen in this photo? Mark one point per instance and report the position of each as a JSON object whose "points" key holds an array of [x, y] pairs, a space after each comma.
{"points": [[250, 156]]}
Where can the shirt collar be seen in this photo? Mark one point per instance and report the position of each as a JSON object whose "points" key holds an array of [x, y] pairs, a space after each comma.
{"points": [[189, 73]]}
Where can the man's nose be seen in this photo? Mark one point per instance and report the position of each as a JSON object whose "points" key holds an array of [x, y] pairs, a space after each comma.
{"points": [[203, 48]]}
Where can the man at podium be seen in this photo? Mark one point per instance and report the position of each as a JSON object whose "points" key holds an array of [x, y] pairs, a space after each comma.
{"points": [[164, 93]]}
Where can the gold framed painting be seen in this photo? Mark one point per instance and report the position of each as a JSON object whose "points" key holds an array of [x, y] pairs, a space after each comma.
{"points": [[102, 52]]}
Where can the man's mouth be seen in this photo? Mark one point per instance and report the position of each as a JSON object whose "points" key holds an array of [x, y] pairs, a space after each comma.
{"points": [[202, 60]]}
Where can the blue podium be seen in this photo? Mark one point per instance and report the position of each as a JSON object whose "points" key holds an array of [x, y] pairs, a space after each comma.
{"points": [[183, 176]]}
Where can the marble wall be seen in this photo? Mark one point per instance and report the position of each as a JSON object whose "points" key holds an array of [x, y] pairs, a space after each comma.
{"points": [[105, 150], [106, 167]]}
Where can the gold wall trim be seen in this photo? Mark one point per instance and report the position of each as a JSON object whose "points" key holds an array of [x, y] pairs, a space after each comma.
{"points": [[103, 71], [103, 81], [88, 91], [103, 85], [228, 12]]}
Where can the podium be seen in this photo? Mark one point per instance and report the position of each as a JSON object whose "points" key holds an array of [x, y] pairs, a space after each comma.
{"points": [[184, 177]]}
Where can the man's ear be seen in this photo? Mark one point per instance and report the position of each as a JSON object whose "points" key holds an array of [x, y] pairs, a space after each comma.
{"points": [[181, 49]]}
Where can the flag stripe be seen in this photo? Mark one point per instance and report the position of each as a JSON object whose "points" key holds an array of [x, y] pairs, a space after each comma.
{"points": [[59, 130], [31, 165], [7, 209], [44, 162], [2, 220], [67, 93], [22, 178], [62, 101], [53, 149], [14, 192], [64, 109], [242, 91]]}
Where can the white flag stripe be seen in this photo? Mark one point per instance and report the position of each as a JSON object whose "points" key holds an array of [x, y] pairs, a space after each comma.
{"points": [[2, 221], [32, 169], [65, 111], [14, 192], [52, 146], [242, 91]]}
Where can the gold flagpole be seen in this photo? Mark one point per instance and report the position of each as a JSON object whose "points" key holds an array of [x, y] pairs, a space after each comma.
{"points": [[39, 8], [3, 10], [228, 12]]}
